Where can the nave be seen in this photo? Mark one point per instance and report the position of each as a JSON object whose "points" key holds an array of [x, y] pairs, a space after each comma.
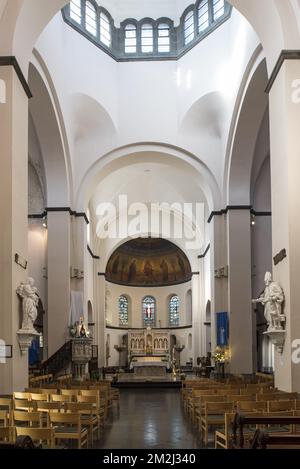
{"points": [[149, 419], [230, 413]]}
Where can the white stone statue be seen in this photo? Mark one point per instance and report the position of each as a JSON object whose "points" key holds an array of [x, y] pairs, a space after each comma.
{"points": [[28, 292], [272, 299]]}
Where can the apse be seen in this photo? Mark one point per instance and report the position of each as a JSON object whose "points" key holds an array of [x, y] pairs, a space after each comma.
{"points": [[148, 262]]}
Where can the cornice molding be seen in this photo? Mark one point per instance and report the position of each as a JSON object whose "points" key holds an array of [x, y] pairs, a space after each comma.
{"points": [[224, 211], [140, 328], [202, 256], [284, 55], [92, 254], [11, 61], [73, 213]]}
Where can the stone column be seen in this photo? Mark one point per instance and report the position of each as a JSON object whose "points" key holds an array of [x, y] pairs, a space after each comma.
{"points": [[79, 261], [201, 308], [218, 258], [196, 318], [285, 170], [239, 291], [100, 320], [58, 279], [13, 216]]}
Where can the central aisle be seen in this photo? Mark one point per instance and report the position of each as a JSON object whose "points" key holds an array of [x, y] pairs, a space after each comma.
{"points": [[149, 419]]}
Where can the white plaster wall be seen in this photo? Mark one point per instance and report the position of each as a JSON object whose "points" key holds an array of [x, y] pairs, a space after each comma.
{"points": [[136, 295], [262, 231], [37, 258], [37, 234]]}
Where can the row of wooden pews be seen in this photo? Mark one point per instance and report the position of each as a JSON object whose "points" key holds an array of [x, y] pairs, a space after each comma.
{"points": [[211, 406], [52, 415]]}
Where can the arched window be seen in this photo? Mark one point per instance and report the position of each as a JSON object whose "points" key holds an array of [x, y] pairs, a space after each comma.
{"points": [[203, 16], [149, 311], [75, 10], [189, 308], [218, 9], [163, 38], [123, 311], [105, 31], [174, 311], [130, 39], [147, 38], [90, 18], [190, 341], [189, 27]]}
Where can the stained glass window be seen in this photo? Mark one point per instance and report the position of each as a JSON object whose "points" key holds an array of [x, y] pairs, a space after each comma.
{"points": [[149, 311], [147, 38], [75, 10], [189, 31], [90, 18], [218, 8], [174, 311], [130, 39], [203, 17], [105, 33], [163, 37], [123, 310]]}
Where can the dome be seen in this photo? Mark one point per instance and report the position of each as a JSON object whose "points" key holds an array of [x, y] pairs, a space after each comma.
{"points": [[138, 9], [148, 262]]}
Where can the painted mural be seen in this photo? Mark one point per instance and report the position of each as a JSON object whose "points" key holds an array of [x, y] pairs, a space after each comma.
{"points": [[148, 262]]}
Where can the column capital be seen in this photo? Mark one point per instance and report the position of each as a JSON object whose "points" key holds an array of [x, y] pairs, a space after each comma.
{"points": [[11, 61], [293, 54]]}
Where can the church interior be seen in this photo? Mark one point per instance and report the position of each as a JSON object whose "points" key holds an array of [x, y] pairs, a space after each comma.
{"points": [[149, 241]]}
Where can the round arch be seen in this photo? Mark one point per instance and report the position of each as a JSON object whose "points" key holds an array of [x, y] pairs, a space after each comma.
{"points": [[275, 22], [246, 124], [131, 154]]}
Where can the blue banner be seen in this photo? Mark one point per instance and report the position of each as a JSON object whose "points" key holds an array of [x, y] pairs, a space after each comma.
{"points": [[34, 352], [222, 329]]}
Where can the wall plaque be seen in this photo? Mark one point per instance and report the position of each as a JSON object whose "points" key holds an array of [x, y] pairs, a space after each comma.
{"points": [[280, 256]]}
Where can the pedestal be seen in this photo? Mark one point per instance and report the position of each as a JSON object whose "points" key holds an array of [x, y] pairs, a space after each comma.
{"points": [[120, 349], [25, 338], [277, 338]]}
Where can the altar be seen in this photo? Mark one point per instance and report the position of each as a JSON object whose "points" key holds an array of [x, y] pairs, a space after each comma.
{"points": [[149, 351], [150, 366]]}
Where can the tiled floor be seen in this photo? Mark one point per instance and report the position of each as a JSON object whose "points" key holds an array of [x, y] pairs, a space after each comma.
{"points": [[149, 419]]}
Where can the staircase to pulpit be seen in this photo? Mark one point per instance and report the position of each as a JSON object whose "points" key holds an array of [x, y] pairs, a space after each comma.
{"points": [[61, 361]]}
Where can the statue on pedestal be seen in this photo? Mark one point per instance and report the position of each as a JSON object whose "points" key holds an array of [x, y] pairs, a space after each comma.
{"points": [[272, 300], [82, 330], [30, 299]]}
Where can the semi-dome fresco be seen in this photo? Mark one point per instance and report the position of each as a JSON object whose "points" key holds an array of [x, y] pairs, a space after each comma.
{"points": [[148, 262]]}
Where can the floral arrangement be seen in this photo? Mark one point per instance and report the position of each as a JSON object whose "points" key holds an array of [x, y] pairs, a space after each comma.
{"points": [[73, 330], [220, 355]]}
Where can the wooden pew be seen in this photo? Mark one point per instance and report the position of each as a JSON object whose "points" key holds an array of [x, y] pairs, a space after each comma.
{"points": [[259, 420]]}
